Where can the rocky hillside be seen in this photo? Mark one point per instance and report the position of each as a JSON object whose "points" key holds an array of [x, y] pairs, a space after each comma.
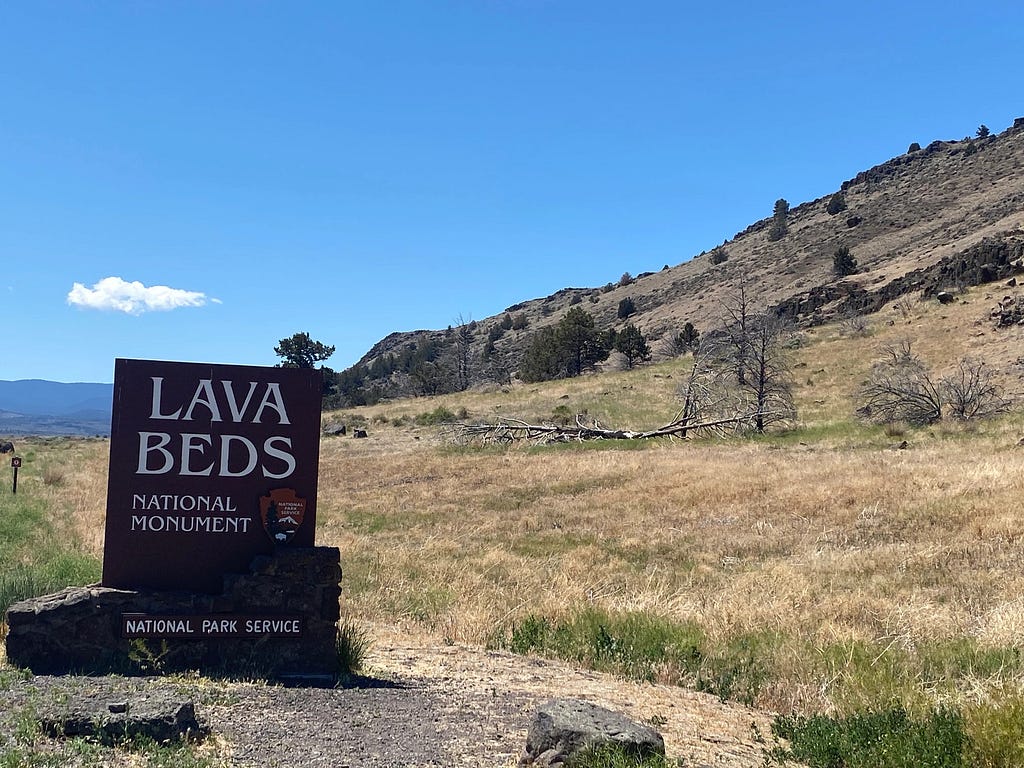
{"points": [[938, 218]]}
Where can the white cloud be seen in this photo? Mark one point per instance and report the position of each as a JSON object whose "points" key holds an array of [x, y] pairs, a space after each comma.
{"points": [[134, 298]]}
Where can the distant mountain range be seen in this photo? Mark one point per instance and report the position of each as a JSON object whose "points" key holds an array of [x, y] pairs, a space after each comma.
{"points": [[38, 407]]}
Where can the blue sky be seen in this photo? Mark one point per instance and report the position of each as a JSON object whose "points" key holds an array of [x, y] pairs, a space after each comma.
{"points": [[197, 180]]}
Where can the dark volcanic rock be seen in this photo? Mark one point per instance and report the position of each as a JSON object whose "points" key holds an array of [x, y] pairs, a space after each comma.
{"points": [[159, 715], [80, 628], [563, 727]]}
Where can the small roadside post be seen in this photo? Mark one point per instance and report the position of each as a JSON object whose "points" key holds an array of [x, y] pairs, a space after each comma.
{"points": [[16, 464]]}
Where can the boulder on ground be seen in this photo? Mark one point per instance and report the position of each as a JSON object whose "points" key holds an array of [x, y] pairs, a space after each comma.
{"points": [[564, 727], [158, 715]]}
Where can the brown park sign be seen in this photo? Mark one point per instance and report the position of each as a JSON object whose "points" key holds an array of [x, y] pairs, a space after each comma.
{"points": [[210, 465]]}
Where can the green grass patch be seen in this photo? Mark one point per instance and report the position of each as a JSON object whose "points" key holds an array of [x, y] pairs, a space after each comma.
{"points": [[368, 522], [642, 646], [866, 676], [618, 756], [24, 745], [23, 523], [862, 676], [996, 730], [353, 643], [888, 739], [962, 657], [36, 560], [842, 431], [551, 542], [51, 572], [440, 415]]}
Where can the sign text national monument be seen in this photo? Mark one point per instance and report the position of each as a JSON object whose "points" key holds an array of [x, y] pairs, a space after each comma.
{"points": [[210, 465]]}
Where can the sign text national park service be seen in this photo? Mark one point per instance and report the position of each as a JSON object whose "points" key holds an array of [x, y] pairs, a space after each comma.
{"points": [[210, 465]]}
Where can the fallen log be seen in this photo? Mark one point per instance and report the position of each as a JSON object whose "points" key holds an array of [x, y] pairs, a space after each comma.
{"points": [[509, 430]]}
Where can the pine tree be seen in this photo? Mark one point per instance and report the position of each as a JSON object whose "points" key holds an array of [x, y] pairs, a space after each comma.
{"points": [[690, 337], [843, 263], [300, 351], [579, 341], [543, 359], [632, 344], [779, 227]]}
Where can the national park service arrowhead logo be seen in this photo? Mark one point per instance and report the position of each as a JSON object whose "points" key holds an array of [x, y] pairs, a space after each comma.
{"points": [[282, 513]]}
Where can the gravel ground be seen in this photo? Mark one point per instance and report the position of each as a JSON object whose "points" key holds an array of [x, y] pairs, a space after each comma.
{"points": [[420, 705]]}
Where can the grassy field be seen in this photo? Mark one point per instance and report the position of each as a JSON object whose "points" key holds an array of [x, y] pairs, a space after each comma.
{"points": [[45, 543], [819, 571]]}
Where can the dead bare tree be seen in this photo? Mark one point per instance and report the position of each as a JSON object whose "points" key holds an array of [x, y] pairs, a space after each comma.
{"points": [[737, 327], [464, 333], [854, 324], [751, 345], [972, 392], [698, 393], [900, 388], [768, 383], [708, 395]]}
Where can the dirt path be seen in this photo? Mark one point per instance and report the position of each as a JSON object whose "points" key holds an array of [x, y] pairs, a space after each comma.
{"points": [[696, 726], [421, 705]]}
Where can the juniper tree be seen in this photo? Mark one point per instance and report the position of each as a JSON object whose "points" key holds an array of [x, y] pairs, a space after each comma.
{"points": [[463, 357], [779, 227], [632, 344], [543, 358], [579, 341], [300, 351], [568, 349], [843, 262], [690, 336]]}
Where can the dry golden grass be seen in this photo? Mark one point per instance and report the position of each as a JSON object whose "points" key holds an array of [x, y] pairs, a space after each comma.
{"points": [[827, 545], [69, 477], [826, 537]]}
